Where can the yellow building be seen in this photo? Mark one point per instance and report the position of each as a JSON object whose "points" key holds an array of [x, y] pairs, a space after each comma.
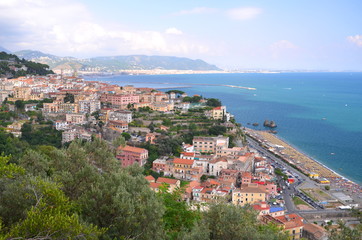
{"points": [[218, 113], [248, 194]]}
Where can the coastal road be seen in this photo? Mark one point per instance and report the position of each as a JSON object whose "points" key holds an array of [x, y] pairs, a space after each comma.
{"points": [[288, 191]]}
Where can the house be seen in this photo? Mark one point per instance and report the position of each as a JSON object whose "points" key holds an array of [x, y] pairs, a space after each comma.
{"points": [[159, 165], [76, 118], [216, 165], [121, 115], [130, 155], [171, 183], [248, 194], [262, 208], [314, 232], [182, 168], [150, 178], [291, 223], [155, 186], [218, 113], [120, 126], [210, 144]]}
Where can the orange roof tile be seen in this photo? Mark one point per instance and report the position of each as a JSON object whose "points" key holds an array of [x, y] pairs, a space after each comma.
{"points": [[183, 161], [166, 180], [132, 149], [155, 185]]}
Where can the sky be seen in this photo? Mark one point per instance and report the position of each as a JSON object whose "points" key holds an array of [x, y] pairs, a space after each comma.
{"points": [[262, 34]]}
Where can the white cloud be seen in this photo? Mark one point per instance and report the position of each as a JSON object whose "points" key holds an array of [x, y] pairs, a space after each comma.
{"points": [[174, 31], [357, 39], [198, 10], [68, 28], [244, 13]]}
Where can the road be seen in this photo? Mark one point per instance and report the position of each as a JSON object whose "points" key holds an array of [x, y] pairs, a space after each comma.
{"points": [[293, 189]]}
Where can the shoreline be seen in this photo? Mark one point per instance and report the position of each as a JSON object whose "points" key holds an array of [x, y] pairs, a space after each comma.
{"points": [[325, 171]]}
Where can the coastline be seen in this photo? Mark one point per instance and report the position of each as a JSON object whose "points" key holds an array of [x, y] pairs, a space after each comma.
{"points": [[306, 163]]}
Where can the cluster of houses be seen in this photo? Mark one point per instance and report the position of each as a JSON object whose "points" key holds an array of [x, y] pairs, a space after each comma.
{"points": [[111, 103], [214, 171]]}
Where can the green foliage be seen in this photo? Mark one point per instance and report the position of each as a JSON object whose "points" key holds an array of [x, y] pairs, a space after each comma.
{"points": [[217, 130], [119, 141], [177, 216], [194, 99], [9, 170], [167, 122], [52, 216], [175, 91], [213, 102], [327, 188], [69, 98], [169, 146], [234, 222], [126, 136], [19, 105], [41, 135], [31, 67], [346, 233]]}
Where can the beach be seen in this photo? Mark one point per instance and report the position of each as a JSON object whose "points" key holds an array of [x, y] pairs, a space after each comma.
{"points": [[305, 163]]}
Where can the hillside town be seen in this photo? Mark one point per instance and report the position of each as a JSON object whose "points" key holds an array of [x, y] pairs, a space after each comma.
{"points": [[186, 143]]}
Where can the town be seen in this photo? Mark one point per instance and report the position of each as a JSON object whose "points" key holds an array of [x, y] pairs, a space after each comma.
{"points": [[182, 142]]}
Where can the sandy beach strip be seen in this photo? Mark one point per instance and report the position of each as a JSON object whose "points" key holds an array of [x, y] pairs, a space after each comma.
{"points": [[293, 156]]}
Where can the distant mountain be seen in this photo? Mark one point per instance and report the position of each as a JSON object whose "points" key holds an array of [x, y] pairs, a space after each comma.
{"points": [[117, 63], [2, 49], [12, 66]]}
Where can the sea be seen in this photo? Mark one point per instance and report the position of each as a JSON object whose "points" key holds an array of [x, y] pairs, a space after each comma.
{"points": [[320, 114]]}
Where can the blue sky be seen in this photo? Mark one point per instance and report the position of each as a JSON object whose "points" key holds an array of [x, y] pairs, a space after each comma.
{"points": [[278, 34]]}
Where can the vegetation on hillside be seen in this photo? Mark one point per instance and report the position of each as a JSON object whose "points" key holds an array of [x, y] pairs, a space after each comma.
{"points": [[12, 66]]}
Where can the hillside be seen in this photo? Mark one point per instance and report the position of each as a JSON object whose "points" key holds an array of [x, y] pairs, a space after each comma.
{"points": [[117, 63], [12, 66]]}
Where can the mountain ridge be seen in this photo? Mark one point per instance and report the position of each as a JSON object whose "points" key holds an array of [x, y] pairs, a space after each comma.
{"points": [[117, 63]]}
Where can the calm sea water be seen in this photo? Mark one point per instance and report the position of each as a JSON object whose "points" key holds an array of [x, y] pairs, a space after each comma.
{"points": [[319, 113]]}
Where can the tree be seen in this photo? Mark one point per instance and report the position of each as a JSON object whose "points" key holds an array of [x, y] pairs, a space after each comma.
{"points": [[53, 206], [119, 141], [213, 102], [9, 170], [177, 216], [217, 130], [69, 98], [123, 202], [233, 222], [346, 233], [19, 105], [126, 136]]}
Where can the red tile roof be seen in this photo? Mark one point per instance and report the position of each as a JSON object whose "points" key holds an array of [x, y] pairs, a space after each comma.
{"points": [[166, 180], [132, 149], [155, 185], [183, 161]]}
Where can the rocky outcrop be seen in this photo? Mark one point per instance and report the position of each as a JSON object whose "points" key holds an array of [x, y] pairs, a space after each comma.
{"points": [[270, 124]]}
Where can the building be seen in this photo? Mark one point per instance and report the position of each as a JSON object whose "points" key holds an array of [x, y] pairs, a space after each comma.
{"points": [[89, 106], [314, 232], [291, 223], [172, 184], [76, 118], [182, 168], [210, 144], [218, 113], [130, 155], [120, 126], [248, 194], [119, 100], [125, 116]]}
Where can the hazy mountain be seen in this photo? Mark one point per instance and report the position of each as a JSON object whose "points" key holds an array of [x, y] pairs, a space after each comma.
{"points": [[2, 49], [116, 63]]}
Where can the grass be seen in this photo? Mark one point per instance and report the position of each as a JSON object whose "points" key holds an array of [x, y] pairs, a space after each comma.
{"points": [[299, 201]]}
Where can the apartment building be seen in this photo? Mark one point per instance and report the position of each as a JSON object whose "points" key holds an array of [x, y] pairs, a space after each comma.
{"points": [[210, 144], [248, 194], [130, 155]]}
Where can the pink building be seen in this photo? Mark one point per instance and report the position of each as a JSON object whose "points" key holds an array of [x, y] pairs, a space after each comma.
{"points": [[119, 100], [129, 155]]}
